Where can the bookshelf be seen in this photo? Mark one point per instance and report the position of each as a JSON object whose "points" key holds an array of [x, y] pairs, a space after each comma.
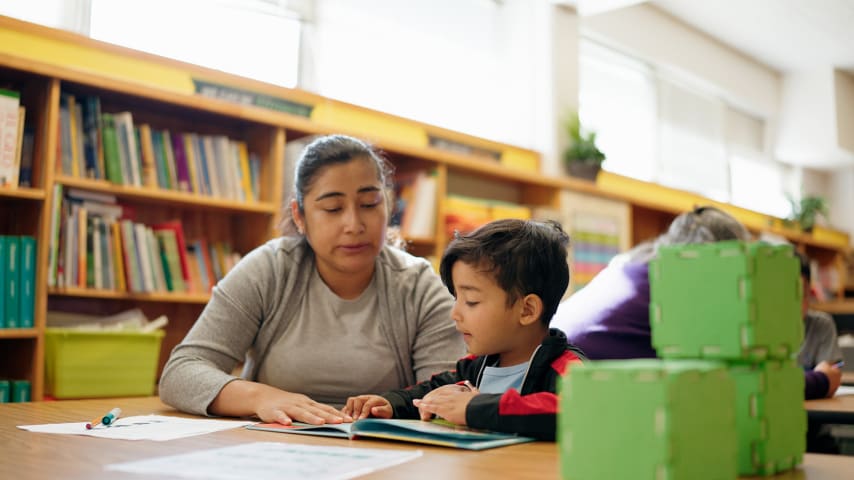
{"points": [[43, 64]]}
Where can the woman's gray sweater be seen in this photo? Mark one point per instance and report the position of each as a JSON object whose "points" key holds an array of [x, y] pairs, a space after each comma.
{"points": [[250, 308]]}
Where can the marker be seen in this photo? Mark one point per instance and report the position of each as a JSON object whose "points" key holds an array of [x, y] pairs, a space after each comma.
{"points": [[94, 423], [111, 416], [839, 364]]}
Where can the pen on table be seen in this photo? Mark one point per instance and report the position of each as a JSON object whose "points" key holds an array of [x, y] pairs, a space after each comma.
{"points": [[839, 364], [107, 419]]}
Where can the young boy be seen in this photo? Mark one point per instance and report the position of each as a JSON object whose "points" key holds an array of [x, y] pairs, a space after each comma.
{"points": [[508, 278]]}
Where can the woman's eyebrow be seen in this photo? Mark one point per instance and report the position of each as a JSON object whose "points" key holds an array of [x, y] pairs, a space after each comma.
{"points": [[367, 189], [328, 195]]}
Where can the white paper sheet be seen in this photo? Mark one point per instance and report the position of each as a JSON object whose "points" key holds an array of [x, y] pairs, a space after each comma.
{"points": [[142, 427], [270, 460], [844, 390]]}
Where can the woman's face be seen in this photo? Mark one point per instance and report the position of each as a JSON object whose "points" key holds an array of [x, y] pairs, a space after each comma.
{"points": [[345, 217]]}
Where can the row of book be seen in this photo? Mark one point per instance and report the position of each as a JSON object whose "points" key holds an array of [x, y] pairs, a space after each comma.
{"points": [[464, 214], [110, 146], [415, 204], [18, 280], [16, 142], [95, 243], [15, 391]]}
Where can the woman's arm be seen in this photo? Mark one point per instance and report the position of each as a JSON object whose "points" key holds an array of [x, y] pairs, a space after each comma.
{"points": [[200, 366]]}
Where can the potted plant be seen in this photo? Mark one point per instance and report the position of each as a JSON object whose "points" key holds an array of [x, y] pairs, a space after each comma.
{"points": [[807, 210], [582, 157]]}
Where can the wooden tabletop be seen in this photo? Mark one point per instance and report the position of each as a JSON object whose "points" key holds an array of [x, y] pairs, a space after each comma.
{"points": [[27, 455], [839, 409]]}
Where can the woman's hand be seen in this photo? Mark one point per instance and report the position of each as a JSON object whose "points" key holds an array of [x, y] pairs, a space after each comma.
{"points": [[242, 398], [448, 402], [286, 407], [364, 406]]}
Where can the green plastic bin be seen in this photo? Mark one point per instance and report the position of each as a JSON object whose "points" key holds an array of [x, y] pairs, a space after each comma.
{"points": [[90, 364]]}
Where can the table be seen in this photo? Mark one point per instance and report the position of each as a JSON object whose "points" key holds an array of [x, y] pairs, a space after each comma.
{"points": [[26, 455], [838, 410]]}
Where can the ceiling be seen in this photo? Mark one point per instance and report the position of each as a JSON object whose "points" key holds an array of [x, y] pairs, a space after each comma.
{"points": [[786, 35]]}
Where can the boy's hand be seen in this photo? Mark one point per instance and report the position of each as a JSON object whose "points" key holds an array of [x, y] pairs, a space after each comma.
{"points": [[365, 406], [448, 402]]}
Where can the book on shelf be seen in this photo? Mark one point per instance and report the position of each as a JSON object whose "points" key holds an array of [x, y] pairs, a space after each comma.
{"points": [[25, 178], [9, 254], [419, 216], [27, 284], [149, 164], [10, 102], [113, 164], [128, 151], [432, 433], [177, 228]]}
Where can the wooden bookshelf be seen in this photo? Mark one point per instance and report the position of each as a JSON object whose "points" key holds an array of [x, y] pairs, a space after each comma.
{"points": [[43, 62], [167, 297]]}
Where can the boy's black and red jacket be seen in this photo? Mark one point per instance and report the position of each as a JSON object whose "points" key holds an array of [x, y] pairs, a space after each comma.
{"points": [[530, 412]]}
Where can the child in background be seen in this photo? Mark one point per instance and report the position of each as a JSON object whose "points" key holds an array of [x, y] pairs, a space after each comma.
{"points": [[507, 278], [820, 348]]}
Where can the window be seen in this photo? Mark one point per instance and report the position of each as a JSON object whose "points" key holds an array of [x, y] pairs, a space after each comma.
{"points": [[756, 182], [664, 128], [691, 130], [617, 98]]}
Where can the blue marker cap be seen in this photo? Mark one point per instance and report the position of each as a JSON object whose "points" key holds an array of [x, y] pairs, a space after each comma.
{"points": [[111, 416]]}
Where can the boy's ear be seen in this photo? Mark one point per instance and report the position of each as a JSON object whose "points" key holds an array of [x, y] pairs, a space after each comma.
{"points": [[532, 309]]}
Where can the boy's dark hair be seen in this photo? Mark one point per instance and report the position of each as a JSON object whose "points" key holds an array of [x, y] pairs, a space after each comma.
{"points": [[524, 257]]}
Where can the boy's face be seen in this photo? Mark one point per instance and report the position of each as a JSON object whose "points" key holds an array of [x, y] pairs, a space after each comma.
{"points": [[481, 313]]}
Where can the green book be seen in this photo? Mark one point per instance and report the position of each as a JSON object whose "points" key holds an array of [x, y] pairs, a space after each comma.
{"points": [[111, 150], [4, 254], [416, 431], [10, 282], [27, 281], [171, 260]]}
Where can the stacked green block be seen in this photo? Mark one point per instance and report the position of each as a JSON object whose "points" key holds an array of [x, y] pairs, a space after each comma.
{"points": [[770, 416], [740, 303], [648, 419], [725, 300]]}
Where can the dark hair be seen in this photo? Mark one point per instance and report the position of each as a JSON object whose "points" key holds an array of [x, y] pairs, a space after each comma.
{"points": [[805, 265], [524, 257], [321, 153]]}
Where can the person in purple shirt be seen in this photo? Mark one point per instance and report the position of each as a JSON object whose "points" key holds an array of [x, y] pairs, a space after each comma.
{"points": [[609, 317]]}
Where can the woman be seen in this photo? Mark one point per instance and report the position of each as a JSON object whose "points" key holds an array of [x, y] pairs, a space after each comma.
{"points": [[609, 317], [324, 312]]}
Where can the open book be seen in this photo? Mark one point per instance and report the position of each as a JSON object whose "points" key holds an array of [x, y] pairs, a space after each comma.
{"points": [[433, 433]]}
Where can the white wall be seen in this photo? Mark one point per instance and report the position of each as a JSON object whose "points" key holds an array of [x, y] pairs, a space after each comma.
{"points": [[842, 200]]}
